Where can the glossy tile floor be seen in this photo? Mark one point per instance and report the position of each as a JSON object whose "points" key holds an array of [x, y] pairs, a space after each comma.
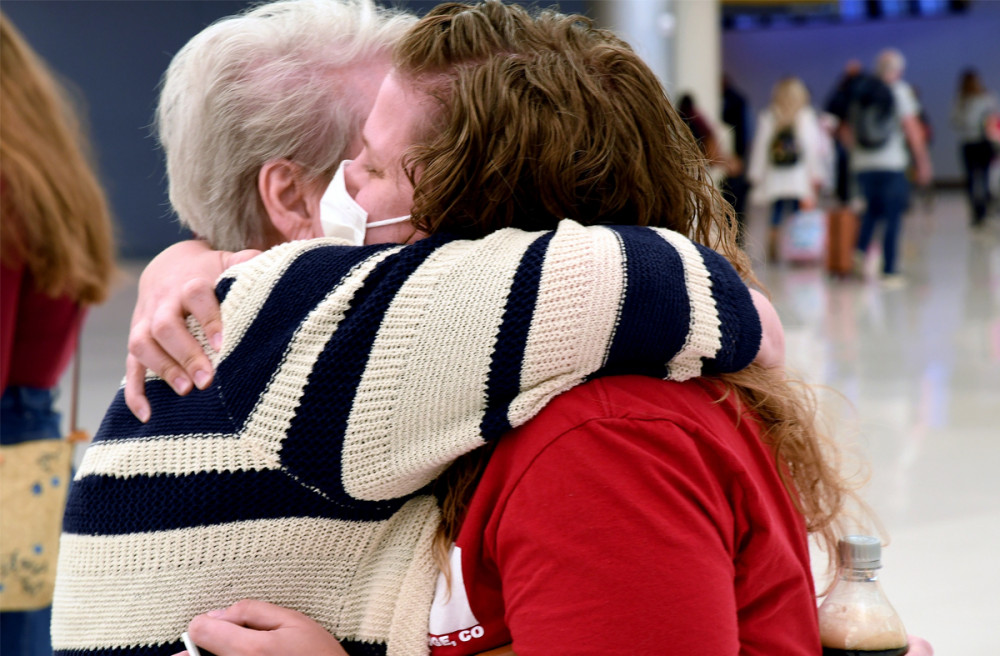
{"points": [[917, 370]]}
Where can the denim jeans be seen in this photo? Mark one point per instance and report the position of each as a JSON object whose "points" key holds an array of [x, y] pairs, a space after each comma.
{"points": [[781, 207], [886, 194], [27, 414]]}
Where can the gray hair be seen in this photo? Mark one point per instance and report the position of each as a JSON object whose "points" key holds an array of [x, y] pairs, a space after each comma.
{"points": [[890, 63], [270, 83]]}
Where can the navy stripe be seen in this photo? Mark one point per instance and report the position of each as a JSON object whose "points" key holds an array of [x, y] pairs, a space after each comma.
{"points": [[154, 650], [200, 411], [504, 381], [740, 323], [352, 647], [312, 449], [355, 648], [222, 288], [247, 370], [108, 505], [654, 318]]}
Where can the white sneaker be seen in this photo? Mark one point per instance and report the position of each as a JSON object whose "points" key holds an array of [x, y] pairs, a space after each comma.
{"points": [[893, 281], [859, 265]]}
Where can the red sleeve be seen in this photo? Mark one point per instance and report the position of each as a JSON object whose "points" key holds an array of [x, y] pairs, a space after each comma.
{"points": [[619, 539], [10, 290]]}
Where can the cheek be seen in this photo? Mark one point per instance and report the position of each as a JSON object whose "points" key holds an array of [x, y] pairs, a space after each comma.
{"points": [[398, 233]]}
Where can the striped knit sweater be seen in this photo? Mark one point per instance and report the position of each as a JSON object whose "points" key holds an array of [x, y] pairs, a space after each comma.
{"points": [[349, 378]]}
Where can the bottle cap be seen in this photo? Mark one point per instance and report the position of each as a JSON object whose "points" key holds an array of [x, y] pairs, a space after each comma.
{"points": [[860, 552]]}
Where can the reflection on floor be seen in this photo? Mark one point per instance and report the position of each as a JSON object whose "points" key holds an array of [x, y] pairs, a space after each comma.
{"points": [[916, 374], [917, 370]]}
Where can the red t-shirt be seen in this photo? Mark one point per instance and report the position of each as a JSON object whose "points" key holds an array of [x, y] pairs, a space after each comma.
{"points": [[38, 332], [631, 516]]}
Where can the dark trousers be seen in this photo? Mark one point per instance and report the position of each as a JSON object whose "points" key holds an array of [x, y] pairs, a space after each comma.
{"points": [[886, 194], [976, 159], [782, 207]]}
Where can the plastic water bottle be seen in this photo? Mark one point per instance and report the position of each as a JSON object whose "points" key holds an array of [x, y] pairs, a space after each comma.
{"points": [[856, 618]]}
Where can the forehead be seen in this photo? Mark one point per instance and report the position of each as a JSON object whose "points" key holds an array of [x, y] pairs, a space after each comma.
{"points": [[398, 112]]}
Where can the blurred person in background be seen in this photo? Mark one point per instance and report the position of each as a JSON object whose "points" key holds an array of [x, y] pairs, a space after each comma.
{"points": [[57, 259], [975, 107], [711, 142], [837, 106], [787, 156], [885, 132], [736, 114]]}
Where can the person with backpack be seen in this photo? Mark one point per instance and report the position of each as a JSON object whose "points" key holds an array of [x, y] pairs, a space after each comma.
{"points": [[884, 131], [971, 114], [786, 158], [836, 106]]}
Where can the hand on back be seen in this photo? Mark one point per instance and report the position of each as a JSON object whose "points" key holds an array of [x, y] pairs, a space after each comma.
{"points": [[178, 282]]}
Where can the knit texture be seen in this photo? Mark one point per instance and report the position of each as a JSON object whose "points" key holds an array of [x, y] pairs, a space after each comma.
{"points": [[349, 378]]}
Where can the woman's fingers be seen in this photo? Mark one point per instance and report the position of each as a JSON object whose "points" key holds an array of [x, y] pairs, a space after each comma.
{"points": [[259, 615], [224, 638], [198, 299], [257, 628], [135, 389]]}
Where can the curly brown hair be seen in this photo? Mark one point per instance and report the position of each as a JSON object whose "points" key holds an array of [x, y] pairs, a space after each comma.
{"points": [[544, 117]]}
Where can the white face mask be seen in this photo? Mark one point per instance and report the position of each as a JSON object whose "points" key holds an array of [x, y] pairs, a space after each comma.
{"points": [[341, 216]]}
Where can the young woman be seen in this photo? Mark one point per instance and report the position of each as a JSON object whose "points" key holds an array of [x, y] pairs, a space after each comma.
{"points": [[975, 107], [786, 158]]}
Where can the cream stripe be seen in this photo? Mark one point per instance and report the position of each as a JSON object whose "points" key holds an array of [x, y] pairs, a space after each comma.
{"points": [[406, 426], [255, 280], [575, 317], [170, 455], [704, 338], [269, 421], [144, 588]]}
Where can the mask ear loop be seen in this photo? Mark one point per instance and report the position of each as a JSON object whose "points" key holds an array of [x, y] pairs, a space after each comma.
{"points": [[385, 222]]}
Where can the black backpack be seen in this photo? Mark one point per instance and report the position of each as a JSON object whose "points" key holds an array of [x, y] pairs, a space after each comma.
{"points": [[871, 112], [784, 147]]}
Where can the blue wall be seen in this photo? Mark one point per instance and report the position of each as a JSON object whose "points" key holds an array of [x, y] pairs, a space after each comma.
{"points": [[115, 53]]}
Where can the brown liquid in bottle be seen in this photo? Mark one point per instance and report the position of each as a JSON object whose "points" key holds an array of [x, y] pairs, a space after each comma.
{"points": [[856, 619]]}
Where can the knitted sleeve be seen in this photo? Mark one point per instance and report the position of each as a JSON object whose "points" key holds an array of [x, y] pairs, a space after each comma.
{"points": [[366, 371]]}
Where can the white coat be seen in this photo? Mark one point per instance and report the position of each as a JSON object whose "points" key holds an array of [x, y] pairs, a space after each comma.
{"points": [[799, 180]]}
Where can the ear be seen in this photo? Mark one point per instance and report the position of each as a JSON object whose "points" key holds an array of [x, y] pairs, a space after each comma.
{"points": [[287, 200]]}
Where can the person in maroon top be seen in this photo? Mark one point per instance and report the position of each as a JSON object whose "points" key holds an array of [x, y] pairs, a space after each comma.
{"points": [[57, 258]]}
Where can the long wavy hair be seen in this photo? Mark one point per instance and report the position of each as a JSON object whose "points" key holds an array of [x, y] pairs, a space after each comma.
{"points": [[544, 117], [788, 98], [969, 85], [55, 217]]}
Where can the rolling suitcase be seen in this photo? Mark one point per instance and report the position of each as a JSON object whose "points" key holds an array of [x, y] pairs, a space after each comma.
{"points": [[803, 239], [842, 238]]}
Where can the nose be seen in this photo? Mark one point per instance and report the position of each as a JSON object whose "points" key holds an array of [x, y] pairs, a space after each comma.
{"points": [[351, 181]]}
